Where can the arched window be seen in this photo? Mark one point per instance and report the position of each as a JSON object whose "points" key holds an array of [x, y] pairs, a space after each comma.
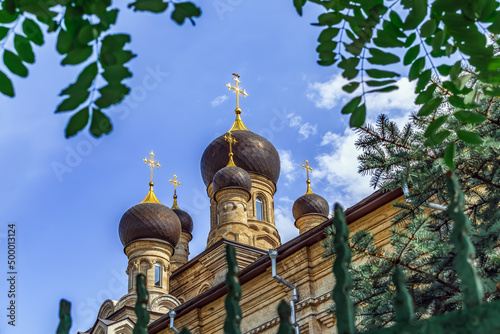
{"points": [[259, 208], [158, 275]]}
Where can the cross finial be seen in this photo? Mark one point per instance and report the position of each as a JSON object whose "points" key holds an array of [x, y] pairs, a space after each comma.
{"points": [[152, 163], [231, 140], [308, 169], [238, 124], [176, 183]]}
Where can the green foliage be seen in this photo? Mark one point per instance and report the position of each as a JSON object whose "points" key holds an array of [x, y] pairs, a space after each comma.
{"points": [[420, 238], [426, 33], [232, 301], [284, 312], [64, 317], [141, 306], [84, 39]]}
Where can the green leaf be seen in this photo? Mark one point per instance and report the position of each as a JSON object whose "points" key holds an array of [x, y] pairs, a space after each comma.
{"points": [[468, 116], [87, 33], [358, 117], [449, 155], [14, 64], [6, 87], [423, 80], [379, 74], [153, 6], [185, 10], [351, 87], [492, 91], [73, 101], [469, 137], [329, 19], [411, 55], [111, 94], [426, 95], [434, 126], [328, 34], [351, 105], [444, 69], [417, 13], [6, 17], [33, 31], [116, 73], [3, 32], [429, 107], [23, 48], [417, 66], [77, 56], [461, 81], [63, 42], [100, 123], [455, 70], [77, 122], [437, 138], [298, 4], [382, 58], [83, 82], [377, 83], [394, 17], [384, 90], [428, 28]]}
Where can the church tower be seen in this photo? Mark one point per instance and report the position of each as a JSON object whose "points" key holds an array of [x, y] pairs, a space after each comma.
{"points": [[259, 158], [310, 209], [149, 232]]}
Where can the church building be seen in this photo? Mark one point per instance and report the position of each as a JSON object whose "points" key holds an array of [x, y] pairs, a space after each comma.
{"points": [[240, 170]]}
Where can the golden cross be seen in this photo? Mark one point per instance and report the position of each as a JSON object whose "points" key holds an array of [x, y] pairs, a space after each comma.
{"points": [[231, 140], [237, 91], [308, 169], [175, 183], [152, 163]]}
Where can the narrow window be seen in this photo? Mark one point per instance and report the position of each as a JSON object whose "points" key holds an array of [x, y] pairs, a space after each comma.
{"points": [[259, 208], [158, 275], [131, 278]]}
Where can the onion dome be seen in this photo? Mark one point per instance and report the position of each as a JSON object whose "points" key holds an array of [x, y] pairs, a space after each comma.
{"points": [[150, 220], [186, 220], [254, 153], [232, 177], [310, 204]]}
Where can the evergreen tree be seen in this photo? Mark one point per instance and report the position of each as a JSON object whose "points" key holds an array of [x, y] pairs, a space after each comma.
{"points": [[412, 158]]}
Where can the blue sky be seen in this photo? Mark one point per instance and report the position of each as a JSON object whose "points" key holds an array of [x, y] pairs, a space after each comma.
{"points": [[67, 196]]}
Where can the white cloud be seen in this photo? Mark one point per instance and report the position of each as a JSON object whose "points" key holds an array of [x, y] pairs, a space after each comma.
{"points": [[305, 129], [284, 219], [218, 100], [339, 170], [329, 94], [287, 165]]}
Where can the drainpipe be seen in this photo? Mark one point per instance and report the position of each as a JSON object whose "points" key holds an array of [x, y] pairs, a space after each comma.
{"points": [[429, 205], [172, 314], [273, 254]]}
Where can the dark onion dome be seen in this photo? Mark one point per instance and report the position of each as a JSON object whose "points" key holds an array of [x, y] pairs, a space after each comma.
{"points": [[252, 152], [310, 204], [150, 221], [186, 220], [232, 177]]}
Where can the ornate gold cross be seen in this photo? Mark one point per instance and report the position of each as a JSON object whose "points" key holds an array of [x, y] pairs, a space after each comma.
{"points": [[175, 182], [308, 169], [237, 91], [231, 140], [152, 163]]}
